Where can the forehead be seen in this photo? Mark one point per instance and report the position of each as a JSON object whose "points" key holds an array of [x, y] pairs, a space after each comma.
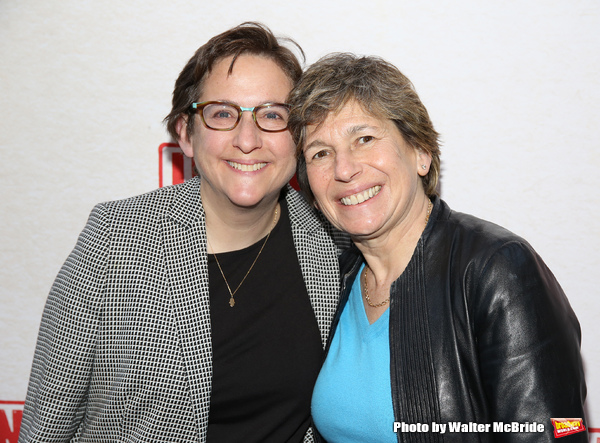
{"points": [[252, 77], [350, 119]]}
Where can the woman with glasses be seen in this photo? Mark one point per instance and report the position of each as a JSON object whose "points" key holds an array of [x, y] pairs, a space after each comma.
{"points": [[197, 312]]}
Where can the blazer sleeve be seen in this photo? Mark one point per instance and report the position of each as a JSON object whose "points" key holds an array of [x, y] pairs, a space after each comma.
{"points": [[528, 341], [64, 354]]}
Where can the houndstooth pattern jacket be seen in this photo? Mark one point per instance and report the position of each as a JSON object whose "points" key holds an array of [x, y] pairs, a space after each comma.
{"points": [[124, 347]]}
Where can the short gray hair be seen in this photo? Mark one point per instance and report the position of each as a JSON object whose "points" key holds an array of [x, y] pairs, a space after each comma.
{"points": [[376, 85]]}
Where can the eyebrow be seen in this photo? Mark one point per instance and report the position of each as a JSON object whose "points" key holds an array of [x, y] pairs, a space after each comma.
{"points": [[353, 130], [230, 102], [358, 128]]}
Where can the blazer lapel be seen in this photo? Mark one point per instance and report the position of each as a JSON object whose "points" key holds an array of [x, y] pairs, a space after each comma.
{"points": [[184, 240], [317, 255]]}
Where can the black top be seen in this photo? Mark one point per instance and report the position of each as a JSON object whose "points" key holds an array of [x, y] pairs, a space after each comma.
{"points": [[267, 348]]}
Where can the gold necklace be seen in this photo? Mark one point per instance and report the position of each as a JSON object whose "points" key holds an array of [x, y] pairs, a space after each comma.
{"points": [[373, 305], [367, 298], [232, 293]]}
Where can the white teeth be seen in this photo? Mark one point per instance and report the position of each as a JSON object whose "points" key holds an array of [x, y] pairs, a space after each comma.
{"points": [[361, 196], [247, 168]]}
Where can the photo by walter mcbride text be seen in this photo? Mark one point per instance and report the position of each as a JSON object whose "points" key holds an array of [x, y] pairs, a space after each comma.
{"points": [[456, 426], [562, 427]]}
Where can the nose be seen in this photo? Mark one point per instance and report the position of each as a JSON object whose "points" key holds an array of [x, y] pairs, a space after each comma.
{"points": [[346, 166], [248, 136]]}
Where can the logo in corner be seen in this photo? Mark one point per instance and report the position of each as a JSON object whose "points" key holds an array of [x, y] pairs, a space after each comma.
{"points": [[567, 426]]}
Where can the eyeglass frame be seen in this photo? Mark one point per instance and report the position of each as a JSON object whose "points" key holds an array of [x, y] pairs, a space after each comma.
{"points": [[199, 106]]}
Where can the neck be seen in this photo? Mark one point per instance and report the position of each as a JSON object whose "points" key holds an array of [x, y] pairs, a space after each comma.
{"points": [[388, 255], [230, 227]]}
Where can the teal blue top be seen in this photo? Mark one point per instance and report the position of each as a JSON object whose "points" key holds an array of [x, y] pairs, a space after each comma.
{"points": [[352, 399]]}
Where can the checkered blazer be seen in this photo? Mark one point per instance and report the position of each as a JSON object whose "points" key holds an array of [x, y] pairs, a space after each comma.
{"points": [[124, 347]]}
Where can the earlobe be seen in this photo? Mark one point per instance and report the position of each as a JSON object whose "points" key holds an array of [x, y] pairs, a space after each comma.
{"points": [[183, 137], [423, 163]]}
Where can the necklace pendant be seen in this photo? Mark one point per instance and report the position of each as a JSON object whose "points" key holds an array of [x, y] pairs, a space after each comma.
{"points": [[231, 302]]}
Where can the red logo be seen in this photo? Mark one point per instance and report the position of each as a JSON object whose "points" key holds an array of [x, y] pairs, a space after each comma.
{"points": [[11, 413], [174, 166], [567, 426]]}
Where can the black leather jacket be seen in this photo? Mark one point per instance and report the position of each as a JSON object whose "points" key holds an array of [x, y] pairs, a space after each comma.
{"points": [[481, 332]]}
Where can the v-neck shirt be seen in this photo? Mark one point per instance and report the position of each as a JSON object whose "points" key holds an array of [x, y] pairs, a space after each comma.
{"points": [[352, 398]]}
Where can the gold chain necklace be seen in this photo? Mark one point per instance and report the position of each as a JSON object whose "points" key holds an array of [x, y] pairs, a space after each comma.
{"points": [[373, 305], [367, 298], [232, 293]]}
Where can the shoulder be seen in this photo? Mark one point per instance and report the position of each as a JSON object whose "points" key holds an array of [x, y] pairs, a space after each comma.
{"points": [[466, 236], [489, 260], [498, 268], [161, 198], [154, 205]]}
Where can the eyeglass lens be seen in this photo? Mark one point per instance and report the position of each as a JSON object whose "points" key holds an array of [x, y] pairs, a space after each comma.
{"points": [[225, 116]]}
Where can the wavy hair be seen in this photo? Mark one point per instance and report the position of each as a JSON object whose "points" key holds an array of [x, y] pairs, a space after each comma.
{"points": [[375, 84]]}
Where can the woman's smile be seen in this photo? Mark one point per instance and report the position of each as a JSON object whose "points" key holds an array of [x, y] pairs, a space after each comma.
{"points": [[244, 167], [360, 197]]}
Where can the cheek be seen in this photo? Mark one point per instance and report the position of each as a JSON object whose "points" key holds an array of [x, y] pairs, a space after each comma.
{"points": [[206, 144], [318, 178], [285, 152], [284, 146]]}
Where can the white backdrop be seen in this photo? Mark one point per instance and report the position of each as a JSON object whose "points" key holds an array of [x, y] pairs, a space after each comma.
{"points": [[512, 86]]}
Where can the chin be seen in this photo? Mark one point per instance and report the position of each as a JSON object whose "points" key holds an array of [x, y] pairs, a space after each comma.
{"points": [[359, 229], [250, 200], [245, 202]]}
